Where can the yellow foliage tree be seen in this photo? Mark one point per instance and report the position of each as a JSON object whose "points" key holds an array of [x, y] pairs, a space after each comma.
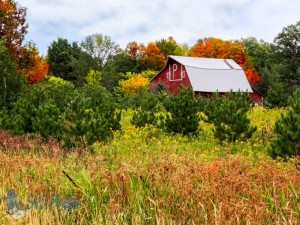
{"points": [[131, 85], [93, 77]]}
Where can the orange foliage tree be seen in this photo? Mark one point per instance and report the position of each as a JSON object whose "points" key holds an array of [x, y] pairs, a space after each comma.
{"points": [[152, 57], [36, 68], [38, 71], [218, 48], [5, 8]]}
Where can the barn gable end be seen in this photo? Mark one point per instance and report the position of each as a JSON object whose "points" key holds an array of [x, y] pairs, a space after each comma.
{"points": [[171, 77]]}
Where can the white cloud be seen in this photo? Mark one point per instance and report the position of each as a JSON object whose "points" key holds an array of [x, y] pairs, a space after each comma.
{"points": [[145, 21]]}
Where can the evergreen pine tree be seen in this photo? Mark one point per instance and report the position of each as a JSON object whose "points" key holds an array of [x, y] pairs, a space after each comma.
{"points": [[183, 113], [276, 96], [287, 129], [145, 114], [230, 117], [210, 105], [92, 116]]}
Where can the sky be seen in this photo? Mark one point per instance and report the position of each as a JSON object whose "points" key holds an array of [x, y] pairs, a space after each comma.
{"points": [[144, 21]]}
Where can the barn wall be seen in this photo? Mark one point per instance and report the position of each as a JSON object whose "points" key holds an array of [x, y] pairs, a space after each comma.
{"points": [[171, 77], [256, 97], [208, 94]]}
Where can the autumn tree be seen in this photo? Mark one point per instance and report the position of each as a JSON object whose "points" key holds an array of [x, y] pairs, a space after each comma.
{"points": [[5, 8], [152, 57], [134, 50], [13, 26], [218, 48], [35, 67], [167, 46], [132, 84]]}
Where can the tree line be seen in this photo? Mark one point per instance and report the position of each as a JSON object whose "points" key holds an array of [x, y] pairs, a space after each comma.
{"points": [[272, 68], [75, 92]]}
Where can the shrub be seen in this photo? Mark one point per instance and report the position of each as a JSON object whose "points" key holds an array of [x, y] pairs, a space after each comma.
{"points": [[48, 121], [287, 129], [90, 116]]}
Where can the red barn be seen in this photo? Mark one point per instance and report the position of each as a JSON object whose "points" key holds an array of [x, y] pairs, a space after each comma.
{"points": [[205, 76]]}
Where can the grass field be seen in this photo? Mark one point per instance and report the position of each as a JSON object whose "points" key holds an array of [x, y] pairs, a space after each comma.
{"points": [[145, 176]]}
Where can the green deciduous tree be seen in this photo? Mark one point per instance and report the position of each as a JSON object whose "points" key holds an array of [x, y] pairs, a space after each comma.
{"points": [[10, 81], [100, 47], [287, 53], [170, 47], [70, 62], [287, 130], [261, 56], [93, 77]]}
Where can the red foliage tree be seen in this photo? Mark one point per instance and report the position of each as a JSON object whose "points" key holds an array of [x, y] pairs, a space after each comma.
{"points": [[218, 48], [13, 26]]}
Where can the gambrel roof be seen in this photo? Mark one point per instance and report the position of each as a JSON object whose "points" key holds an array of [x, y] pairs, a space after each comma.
{"points": [[211, 75]]}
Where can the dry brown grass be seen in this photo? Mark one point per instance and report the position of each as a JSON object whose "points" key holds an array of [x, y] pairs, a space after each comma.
{"points": [[232, 190], [167, 180]]}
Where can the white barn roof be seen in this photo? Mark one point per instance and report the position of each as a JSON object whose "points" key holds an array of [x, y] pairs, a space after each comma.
{"points": [[211, 75]]}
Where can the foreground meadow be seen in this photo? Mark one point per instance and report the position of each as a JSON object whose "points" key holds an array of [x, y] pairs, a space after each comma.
{"points": [[145, 176]]}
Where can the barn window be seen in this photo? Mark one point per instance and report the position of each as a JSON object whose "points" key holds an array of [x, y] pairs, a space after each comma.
{"points": [[182, 74], [168, 75]]}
